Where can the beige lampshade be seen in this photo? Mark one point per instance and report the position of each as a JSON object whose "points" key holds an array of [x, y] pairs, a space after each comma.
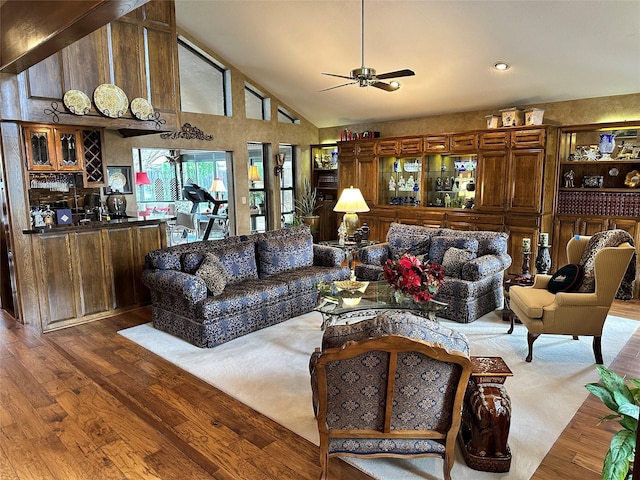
{"points": [[217, 185], [254, 173], [350, 202]]}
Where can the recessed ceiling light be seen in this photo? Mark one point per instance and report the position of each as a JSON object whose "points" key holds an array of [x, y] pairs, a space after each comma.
{"points": [[501, 65]]}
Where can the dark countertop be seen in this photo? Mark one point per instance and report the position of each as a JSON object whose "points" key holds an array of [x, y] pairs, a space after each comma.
{"points": [[97, 225]]}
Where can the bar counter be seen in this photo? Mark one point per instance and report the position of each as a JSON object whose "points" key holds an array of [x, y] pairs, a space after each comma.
{"points": [[99, 224], [87, 272]]}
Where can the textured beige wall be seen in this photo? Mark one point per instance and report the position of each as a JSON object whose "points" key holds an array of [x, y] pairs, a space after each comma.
{"points": [[231, 134], [575, 112]]}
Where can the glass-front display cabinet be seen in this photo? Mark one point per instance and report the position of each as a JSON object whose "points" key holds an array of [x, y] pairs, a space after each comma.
{"points": [[450, 180], [400, 181]]}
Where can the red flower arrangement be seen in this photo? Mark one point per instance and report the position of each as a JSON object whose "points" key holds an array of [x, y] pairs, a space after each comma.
{"points": [[412, 277]]}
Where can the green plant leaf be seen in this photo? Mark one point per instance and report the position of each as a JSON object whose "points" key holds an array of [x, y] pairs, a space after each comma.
{"points": [[614, 382], [630, 410], [603, 394], [616, 462], [614, 470]]}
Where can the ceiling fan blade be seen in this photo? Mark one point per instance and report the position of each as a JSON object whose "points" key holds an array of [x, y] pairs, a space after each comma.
{"points": [[338, 86], [385, 86], [399, 73], [336, 75]]}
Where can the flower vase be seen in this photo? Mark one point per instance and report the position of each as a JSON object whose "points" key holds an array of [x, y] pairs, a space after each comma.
{"points": [[400, 297], [606, 145]]}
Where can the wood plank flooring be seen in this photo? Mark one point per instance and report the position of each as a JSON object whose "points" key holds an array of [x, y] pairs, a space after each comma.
{"points": [[85, 403]]}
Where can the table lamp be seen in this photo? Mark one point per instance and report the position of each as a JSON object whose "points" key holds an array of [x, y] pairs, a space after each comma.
{"points": [[254, 175], [350, 202], [217, 186], [142, 179]]}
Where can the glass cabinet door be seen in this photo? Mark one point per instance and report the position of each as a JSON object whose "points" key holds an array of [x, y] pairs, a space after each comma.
{"points": [[400, 181], [450, 180], [40, 148], [68, 149]]}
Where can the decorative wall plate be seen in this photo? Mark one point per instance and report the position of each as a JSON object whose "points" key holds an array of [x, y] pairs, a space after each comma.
{"points": [[77, 102], [141, 109], [633, 179], [110, 100], [117, 181]]}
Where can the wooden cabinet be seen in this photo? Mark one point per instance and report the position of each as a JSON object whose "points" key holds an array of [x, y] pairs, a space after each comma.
{"points": [[66, 149], [491, 180], [597, 189], [53, 149], [324, 178], [524, 193], [136, 52], [387, 147], [436, 144], [87, 274], [495, 140], [464, 143]]}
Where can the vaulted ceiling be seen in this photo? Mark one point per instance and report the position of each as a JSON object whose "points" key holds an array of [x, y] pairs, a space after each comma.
{"points": [[558, 50]]}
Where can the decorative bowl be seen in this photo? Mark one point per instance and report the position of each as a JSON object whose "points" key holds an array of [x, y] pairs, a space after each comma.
{"points": [[632, 179]]}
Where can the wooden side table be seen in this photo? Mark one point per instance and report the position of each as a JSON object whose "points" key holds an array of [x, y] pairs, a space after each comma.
{"points": [[486, 416], [507, 313]]}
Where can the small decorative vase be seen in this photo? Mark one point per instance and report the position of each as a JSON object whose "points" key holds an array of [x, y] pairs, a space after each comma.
{"points": [[400, 297], [606, 145]]}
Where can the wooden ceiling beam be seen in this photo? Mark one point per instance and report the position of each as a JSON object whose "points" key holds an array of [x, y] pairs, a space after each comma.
{"points": [[32, 31]]}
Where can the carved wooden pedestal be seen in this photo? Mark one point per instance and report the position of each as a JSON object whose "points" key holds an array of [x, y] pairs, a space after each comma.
{"points": [[486, 417]]}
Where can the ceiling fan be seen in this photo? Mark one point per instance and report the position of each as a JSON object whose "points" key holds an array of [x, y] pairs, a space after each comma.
{"points": [[366, 76]]}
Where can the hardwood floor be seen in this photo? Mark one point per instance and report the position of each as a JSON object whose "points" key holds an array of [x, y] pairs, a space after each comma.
{"points": [[86, 403]]}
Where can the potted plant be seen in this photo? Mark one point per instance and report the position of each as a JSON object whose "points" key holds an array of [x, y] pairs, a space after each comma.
{"points": [[306, 206], [623, 398]]}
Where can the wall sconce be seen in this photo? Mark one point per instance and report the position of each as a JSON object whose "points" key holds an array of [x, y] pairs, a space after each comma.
{"points": [[279, 168]]}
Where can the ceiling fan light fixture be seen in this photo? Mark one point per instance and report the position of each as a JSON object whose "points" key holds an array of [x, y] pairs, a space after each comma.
{"points": [[501, 66], [395, 84]]}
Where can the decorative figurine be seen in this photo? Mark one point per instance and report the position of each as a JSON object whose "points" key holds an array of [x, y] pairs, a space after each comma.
{"points": [[342, 234], [392, 184], [401, 183], [438, 186], [447, 200], [569, 176], [410, 183]]}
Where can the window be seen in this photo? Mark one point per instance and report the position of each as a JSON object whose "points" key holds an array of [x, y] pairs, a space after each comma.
{"points": [[285, 117], [169, 170], [287, 193], [258, 199], [256, 104], [203, 81]]}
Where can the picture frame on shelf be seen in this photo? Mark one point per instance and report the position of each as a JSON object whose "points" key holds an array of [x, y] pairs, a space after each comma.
{"points": [[119, 179]]}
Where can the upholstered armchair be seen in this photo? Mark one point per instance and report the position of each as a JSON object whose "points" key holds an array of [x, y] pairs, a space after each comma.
{"points": [[390, 386], [605, 258]]}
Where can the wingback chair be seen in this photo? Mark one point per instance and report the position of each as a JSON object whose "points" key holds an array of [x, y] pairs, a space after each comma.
{"points": [[580, 312], [390, 386]]}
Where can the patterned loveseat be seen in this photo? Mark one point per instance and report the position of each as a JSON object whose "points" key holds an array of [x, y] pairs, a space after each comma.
{"points": [[474, 263], [211, 292]]}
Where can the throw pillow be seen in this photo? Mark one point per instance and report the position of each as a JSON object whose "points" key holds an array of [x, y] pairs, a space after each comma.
{"points": [[453, 260], [239, 261], [213, 273], [440, 244], [282, 253], [191, 261], [566, 279]]}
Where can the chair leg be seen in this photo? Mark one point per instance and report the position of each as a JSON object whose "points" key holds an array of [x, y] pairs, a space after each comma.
{"points": [[575, 337], [531, 337], [597, 349]]}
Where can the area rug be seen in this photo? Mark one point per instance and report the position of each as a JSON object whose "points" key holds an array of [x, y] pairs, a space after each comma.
{"points": [[268, 370]]}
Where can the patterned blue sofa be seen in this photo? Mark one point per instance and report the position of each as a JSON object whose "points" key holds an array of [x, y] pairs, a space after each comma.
{"points": [[474, 263], [211, 292]]}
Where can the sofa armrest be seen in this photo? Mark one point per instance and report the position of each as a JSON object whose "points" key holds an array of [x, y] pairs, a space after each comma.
{"points": [[541, 281], [173, 282], [327, 256], [375, 254], [484, 266]]}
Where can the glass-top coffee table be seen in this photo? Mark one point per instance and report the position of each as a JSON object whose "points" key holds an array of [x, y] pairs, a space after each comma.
{"points": [[369, 299]]}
